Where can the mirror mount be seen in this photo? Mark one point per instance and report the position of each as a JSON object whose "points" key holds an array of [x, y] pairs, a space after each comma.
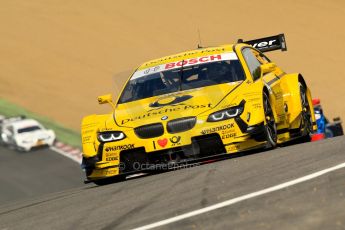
{"points": [[104, 99], [267, 68]]}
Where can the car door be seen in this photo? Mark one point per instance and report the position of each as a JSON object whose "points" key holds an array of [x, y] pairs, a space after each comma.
{"points": [[254, 60]]}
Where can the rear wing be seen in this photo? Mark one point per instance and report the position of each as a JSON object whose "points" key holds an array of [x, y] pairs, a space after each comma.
{"points": [[276, 42]]}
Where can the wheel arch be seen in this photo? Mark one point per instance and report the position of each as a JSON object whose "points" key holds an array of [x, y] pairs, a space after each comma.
{"points": [[310, 100], [265, 90], [272, 100], [301, 79], [291, 89]]}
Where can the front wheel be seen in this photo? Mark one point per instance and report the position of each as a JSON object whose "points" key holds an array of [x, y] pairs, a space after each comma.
{"points": [[270, 123]]}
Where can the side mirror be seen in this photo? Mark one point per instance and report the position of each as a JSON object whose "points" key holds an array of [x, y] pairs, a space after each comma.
{"points": [[105, 99], [268, 67]]}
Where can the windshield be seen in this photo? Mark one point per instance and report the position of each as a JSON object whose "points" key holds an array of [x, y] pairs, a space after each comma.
{"points": [[182, 75], [29, 129]]}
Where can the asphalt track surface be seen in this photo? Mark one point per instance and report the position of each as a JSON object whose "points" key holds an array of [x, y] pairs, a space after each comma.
{"points": [[317, 203], [33, 174]]}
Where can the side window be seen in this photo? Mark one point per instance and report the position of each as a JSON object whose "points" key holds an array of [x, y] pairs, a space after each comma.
{"points": [[252, 62], [261, 57]]}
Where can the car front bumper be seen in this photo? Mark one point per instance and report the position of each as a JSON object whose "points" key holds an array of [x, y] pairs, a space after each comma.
{"points": [[206, 139]]}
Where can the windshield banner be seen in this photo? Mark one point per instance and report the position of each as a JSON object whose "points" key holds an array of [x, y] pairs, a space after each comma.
{"points": [[185, 63]]}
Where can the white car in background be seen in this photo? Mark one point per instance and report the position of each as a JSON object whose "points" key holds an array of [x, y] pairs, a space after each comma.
{"points": [[26, 134]]}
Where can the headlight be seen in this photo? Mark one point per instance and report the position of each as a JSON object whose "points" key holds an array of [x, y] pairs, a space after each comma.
{"points": [[226, 113], [111, 136]]}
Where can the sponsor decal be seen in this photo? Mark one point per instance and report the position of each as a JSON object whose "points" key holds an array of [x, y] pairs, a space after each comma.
{"points": [[229, 135], [86, 139], [162, 111], [229, 105], [264, 44], [89, 126], [174, 100], [227, 131], [119, 148], [87, 131], [162, 142], [255, 99], [111, 154], [87, 136], [111, 171], [153, 70], [187, 54], [105, 129], [257, 106], [251, 94], [268, 43], [175, 140], [112, 159], [217, 129], [193, 61], [232, 147]]}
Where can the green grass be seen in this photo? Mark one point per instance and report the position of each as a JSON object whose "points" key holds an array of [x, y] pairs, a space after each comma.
{"points": [[63, 134]]}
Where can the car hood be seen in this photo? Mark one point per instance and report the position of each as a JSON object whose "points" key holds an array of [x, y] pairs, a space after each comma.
{"points": [[35, 135], [171, 106]]}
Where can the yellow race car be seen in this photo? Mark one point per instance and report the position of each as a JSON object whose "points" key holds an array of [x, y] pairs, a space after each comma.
{"points": [[195, 105]]}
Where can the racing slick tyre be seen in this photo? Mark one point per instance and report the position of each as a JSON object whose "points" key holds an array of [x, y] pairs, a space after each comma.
{"points": [[270, 123], [306, 121]]}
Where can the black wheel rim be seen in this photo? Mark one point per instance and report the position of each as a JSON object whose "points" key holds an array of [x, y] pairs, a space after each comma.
{"points": [[270, 121], [306, 122]]}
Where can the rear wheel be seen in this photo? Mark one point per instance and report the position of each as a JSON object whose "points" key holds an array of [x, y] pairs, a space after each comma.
{"points": [[270, 126]]}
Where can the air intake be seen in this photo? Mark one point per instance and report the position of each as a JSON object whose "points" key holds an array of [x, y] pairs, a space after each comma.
{"points": [[149, 131], [181, 124]]}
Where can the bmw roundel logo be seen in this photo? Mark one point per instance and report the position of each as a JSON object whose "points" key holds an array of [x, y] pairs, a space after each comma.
{"points": [[164, 118]]}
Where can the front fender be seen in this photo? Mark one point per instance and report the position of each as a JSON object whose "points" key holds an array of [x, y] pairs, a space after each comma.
{"points": [[89, 128], [291, 89], [252, 94]]}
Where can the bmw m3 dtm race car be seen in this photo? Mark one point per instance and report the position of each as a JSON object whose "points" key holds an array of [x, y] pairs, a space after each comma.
{"points": [[198, 104]]}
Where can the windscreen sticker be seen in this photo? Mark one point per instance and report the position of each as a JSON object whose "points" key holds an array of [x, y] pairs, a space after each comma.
{"points": [[185, 63]]}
